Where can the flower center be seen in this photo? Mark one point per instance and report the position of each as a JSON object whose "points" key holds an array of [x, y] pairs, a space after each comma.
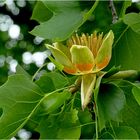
{"points": [[93, 42]]}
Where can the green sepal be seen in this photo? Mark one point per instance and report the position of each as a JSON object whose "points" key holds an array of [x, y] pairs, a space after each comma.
{"points": [[87, 86]]}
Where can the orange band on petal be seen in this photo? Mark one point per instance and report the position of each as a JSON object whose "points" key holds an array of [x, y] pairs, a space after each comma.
{"points": [[103, 64], [70, 70], [84, 67]]}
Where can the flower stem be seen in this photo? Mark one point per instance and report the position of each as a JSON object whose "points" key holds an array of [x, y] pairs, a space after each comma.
{"points": [[96, 120], [88, 14], [38, 71]]}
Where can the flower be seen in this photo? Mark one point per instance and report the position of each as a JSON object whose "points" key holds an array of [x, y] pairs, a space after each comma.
{"points": [[84, 55]]}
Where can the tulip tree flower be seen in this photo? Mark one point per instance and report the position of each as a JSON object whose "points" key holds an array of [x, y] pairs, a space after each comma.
{"points": [[84, 55]]}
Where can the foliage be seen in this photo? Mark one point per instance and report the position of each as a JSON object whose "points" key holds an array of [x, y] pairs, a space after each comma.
{"points": [[51, 103]]}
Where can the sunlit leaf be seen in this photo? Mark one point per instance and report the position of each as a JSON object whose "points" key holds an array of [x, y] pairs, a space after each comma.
{"points": [[41, 13], [67, 17], [19, 98], [133, 20]]}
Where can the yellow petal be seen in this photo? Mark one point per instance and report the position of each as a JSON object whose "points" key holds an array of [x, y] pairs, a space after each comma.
{"points": [[63, 48], [82, 57], [62, 59], [105, 51]]}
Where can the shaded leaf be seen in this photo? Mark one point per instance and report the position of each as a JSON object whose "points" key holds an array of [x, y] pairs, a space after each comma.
{"points": [[126, 48], [51, 81], [111, 101], [131, 111], [125, 132], [87, 124], [66, 126], [121, 132]]}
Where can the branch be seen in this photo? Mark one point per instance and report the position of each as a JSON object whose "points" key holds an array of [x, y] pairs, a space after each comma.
{"points": [[113, 11]]}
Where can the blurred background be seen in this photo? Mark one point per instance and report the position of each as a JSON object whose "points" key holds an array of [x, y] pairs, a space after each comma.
{"points": [[18, 46]]}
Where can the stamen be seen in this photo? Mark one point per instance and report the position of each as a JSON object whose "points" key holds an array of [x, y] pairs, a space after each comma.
{"points": [[78, 39], [85, 40], [99, 41], [74, 41]]}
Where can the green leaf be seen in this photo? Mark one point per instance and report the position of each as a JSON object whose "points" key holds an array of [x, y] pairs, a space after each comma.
{"points": [[41, 13], [20, 70], [121, 132], [136, 93], [124, 132], [51, 81], [126, 4], [133, 20], [111, 101], [66, 126], [54, 101], [19, 98], [87, 124], [131, 111], [126, 48], [67, 17]]}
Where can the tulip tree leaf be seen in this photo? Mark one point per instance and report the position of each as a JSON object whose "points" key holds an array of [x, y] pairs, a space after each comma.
{"points": [[131, 111], [111, 101], [54, 80], [67, 17], [66, 126], [136, 93], [126, 40], [126, 4], [121, 132], [44, 13], [133, 20], [124, 132], [19, 98]]}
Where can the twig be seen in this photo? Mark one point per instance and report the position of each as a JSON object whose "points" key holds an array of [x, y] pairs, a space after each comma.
{"points": [[113, 10]]}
